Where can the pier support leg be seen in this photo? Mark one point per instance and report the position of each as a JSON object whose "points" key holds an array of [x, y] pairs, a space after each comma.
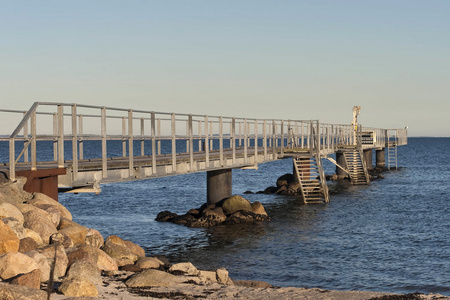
{"points": [[340, 159], [368, 157], [42, 181], [380, 158], [218, 185]]}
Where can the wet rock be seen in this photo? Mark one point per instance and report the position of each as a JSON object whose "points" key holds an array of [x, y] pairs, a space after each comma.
{"points": [[183, 219], [245, 216], [248, 192], [285, 180], [78, 287], [258, 208], [271, 190], [8, 239], [15, 263], [194, 212], [31, 279], [166, 216], [235, 203]]}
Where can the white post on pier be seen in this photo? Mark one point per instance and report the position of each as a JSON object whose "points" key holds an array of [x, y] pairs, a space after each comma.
{"points": [[206, 142], [191, 143], [174, 144], [104, 158], [245, 140], [153, 121], [130, 144], [60, 136], [74, 143]]}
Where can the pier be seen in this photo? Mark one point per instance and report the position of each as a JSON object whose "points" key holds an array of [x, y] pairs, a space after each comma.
{"points": [[74, 147]]}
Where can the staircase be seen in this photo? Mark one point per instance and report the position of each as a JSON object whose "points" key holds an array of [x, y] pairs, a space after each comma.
{"points": [[311, 177], [356, 167], [392, 150]]}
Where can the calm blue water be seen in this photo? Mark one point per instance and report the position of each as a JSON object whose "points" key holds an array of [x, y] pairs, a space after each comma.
{"points": [[391, 236]]}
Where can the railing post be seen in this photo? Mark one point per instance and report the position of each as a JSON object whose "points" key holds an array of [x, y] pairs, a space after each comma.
{"points": [[274, 144], [55, 139], [130, 143], [142, 138], [302, 137], [153, 121], [221, 141], [74, 143], [245, 140], [256, 142], [206, 142], [80, 131], [33, 142], [240, 134], [12, 159], [60, 136], [159, 136], [174, 144], [104, 151], [265, 139], [199, 136], [233, 139], [282, 136], [124, 133], [25, 137], [191, 143]]}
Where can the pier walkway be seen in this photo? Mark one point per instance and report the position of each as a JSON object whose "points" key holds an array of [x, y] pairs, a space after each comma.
{"points": [[79, 147]]}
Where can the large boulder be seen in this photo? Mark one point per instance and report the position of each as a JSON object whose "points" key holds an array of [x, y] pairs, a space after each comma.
{"points": [[82, 252], [78, 287], [8, 210], [85, 270], [106, 262], [12, 192], [19, 292], [15, 226], [94, 238], [285, 180], [27, 244], [222, 277], [185, 268], [42, 263], [76, 233], [258, 208], [148, 263], [31, 279], [53, 212], [152, 277], [117, 249], [34, 235], [39, 223], [56, 253], [244, 216], [15, 263], [135, 248], [40, 198], [235, 203], [8, 239]]}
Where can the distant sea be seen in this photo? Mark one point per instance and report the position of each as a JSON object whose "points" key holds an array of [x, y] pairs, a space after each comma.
{"points": [[390, 236]]}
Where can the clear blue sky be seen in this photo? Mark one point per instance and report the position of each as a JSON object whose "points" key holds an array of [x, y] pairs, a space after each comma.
{"points": [[265, 59]]}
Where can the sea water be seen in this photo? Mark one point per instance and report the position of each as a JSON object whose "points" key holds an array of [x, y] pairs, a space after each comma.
{"points": [[391, 236]]}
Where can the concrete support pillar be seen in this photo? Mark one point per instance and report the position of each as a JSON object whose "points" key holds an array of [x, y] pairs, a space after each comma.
{"points": [[218, 185], [380, 158], [368, 158], [340, 159]]}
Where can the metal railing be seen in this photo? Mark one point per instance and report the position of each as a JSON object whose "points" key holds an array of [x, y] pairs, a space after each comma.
{"points": [[150, 133]]}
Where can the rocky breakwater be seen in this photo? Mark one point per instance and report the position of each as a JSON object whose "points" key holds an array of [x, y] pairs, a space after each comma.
{"points": [[232, 210], [43, 251]]}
